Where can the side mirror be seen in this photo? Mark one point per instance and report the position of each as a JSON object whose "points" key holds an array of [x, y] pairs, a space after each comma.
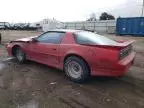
{"points": [[34, 40]]}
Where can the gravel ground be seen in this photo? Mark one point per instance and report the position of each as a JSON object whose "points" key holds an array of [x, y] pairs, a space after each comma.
{"points": [[33, 85]]}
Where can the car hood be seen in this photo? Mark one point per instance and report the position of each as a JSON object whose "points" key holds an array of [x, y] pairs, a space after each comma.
{"points": [[24, 39]]}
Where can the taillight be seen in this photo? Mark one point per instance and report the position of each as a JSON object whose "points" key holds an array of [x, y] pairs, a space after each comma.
{"points": [[125, 52]]}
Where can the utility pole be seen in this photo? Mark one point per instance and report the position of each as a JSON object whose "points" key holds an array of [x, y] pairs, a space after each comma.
{"points": [[0, 38], [142, 9]]}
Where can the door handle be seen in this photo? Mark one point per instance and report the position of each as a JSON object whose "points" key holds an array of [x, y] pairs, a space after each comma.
{"points": [[53, 48]]}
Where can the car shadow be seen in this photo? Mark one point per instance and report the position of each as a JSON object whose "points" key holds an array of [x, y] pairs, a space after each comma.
{"points": [[56, 72]]}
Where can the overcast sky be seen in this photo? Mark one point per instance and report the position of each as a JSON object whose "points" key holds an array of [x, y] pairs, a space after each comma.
{"points": [[63, 10]]}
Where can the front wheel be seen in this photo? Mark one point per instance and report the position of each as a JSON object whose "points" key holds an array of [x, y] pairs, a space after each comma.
{"points": [[76, 69], [20, 55]]}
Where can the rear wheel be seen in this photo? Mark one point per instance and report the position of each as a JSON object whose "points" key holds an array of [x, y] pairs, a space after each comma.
{"points": [[76, 69], [20, 55]]}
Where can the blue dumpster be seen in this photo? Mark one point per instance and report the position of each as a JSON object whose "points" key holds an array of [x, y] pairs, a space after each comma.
{"points": [[130, 26]]}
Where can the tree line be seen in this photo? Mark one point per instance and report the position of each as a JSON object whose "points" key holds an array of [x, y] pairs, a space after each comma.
{"points": [[103, 16]]}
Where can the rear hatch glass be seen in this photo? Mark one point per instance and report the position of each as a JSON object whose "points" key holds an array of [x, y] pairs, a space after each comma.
{"points": [[84, 37]]}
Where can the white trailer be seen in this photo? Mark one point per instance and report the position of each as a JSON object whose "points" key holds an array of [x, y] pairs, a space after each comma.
{"points": [[49, 24]]}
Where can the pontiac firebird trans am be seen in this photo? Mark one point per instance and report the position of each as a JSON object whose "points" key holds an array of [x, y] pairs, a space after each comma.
{"points": [[79, 53]]}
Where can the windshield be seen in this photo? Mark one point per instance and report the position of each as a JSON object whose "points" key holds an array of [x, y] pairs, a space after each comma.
{"points": [[85, 37]]}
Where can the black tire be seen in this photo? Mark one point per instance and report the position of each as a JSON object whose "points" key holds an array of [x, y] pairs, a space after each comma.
{"points": [[20, 55], [82, 67]]}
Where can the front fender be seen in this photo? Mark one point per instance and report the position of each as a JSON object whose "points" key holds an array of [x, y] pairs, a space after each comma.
{"points": [[10, 46]]}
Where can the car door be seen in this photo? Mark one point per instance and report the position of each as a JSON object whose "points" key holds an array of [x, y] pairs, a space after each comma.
{"points": [[46, 48]]}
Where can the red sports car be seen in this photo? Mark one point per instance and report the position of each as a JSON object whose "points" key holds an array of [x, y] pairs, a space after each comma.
{"points": [[79, 53]]}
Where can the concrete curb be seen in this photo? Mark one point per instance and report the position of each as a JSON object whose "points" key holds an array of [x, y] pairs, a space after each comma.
{"points": [[136, 82]]}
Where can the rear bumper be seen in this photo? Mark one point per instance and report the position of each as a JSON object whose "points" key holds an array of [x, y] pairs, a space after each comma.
{"points": [[118, 69]]}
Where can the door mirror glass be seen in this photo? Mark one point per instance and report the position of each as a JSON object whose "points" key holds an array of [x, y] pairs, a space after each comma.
{"points": [[34, 40]]}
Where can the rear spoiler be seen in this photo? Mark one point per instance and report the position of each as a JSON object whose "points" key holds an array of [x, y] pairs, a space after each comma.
{"points": [[124, 44], [118, 45]]}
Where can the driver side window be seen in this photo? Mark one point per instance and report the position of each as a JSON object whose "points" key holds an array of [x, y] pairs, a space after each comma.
{"points": [[51, 37]]}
